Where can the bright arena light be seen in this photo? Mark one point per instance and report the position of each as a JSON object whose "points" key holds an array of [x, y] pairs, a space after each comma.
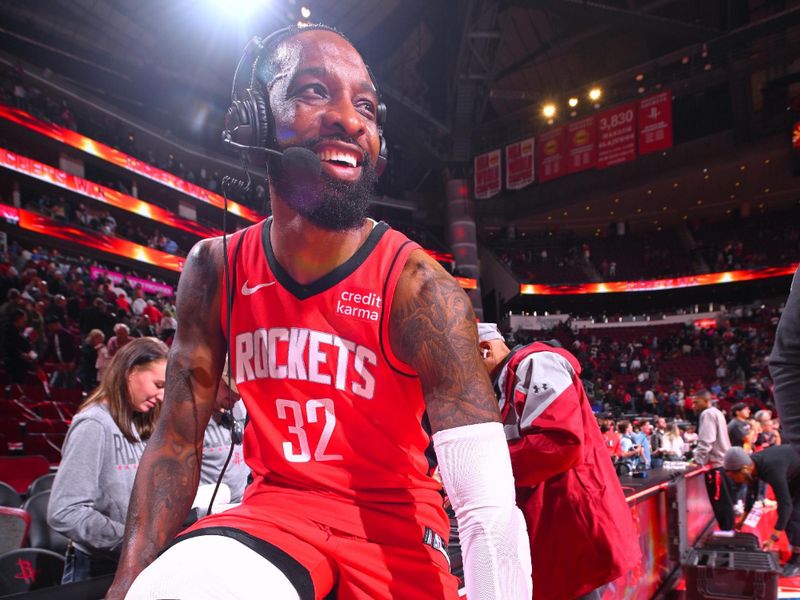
{"points": [[549, 110], [241, 9], [595, 93], [305, 12], [573, 102]]}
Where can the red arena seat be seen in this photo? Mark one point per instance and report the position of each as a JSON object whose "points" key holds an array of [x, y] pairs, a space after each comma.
{"points": [[20, 471]]}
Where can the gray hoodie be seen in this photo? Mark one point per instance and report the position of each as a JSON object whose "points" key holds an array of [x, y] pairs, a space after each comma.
{"points": [[89, 499]]}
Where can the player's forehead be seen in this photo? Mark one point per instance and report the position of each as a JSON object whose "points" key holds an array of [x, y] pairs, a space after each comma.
{"points": [[318, 50]]}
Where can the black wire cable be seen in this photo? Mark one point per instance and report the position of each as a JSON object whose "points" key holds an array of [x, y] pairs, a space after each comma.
{"points": [[244, 186]]}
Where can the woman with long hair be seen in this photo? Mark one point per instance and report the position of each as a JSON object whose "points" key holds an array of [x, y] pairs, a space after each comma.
{"points": [[672, 445], [89, 499]]}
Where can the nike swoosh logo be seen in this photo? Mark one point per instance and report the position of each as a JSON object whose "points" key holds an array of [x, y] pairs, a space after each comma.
{"points": [[246, 291]]}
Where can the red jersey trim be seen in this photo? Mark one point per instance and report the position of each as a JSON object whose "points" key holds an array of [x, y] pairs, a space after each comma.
{"points": [[395, 270]]}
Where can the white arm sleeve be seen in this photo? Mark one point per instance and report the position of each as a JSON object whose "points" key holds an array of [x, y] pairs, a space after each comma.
{"points": [[476, 472]]}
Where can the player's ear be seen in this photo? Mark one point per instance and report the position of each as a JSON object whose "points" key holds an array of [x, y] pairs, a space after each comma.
{"points": [[485, 349]]}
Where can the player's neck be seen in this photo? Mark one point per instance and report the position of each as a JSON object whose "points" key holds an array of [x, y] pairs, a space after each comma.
{"points": [[308, 252]]}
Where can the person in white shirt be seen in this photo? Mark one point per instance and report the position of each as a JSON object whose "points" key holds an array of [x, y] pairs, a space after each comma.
{"points": [[712, 443]]}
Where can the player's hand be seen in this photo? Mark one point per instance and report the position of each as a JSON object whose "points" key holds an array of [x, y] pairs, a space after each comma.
{"points": [[767, 546]]}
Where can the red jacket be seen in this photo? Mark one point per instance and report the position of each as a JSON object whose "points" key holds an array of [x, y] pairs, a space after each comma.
{"points": [[581, 531]]}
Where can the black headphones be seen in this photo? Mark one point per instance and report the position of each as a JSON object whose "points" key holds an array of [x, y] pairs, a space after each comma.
{"points": [[248, 120]]}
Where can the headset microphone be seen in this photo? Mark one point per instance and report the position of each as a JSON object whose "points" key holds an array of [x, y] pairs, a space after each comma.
{"points": [[296, 161]]}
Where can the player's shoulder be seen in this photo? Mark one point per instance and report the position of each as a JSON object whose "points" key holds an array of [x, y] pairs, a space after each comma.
{"points": [[421, 273]]}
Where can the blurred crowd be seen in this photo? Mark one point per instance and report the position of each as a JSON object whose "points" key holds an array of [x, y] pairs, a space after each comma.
{"points": [[54, 313]]}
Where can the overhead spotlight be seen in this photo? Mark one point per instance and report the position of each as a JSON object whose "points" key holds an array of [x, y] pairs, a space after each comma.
{"points": [[573, 102], [305, 12], [639, 76], [239, 9], [595, 93], [641, 89], [549, 110]]}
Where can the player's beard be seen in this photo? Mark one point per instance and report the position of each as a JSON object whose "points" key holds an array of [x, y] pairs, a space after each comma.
{"points": [[328, 203]]}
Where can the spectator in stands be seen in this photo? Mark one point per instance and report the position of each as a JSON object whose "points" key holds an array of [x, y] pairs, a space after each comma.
{"points": [[769, 435], [19, 357], [712, 443], [123, 304], [739, 428], [612, 438], [120, 338], [168, 324], [96, 316], [563, 476], [139, 302], [641, 437], [784, 364], [13, 300], [87, 371], [631, 453], [89, 500], [61, 351], [671, 443], [779, 466], [151, 310], [145, 328]]}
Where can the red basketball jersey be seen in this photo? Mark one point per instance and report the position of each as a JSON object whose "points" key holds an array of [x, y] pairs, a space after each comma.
{"points": [[331, 408]]}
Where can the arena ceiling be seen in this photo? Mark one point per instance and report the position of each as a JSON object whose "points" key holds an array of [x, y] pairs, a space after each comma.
{"points": [[446, 67]]}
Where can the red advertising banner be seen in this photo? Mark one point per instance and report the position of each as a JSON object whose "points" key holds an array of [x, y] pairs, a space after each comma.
{"points": [[43, 172], [581, 145], [151, 287], [655, 122], [120, 159], [551, 153], [105, 243], [519, 164], [487, 175], [616, 287], [616, 135]]}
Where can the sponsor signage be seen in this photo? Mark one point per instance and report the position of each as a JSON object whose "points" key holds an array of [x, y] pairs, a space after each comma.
{"points": [[519, 164], [487, 175], [151, 287], [655, 123]]}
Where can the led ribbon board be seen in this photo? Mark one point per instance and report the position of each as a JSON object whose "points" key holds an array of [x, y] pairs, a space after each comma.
{"points": [[49, 174], [96, 240], [125, 161], [617, 287]]}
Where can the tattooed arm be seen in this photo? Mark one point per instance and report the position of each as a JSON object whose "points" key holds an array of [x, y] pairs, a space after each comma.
{"points": [[169, 470], [433, 329]]}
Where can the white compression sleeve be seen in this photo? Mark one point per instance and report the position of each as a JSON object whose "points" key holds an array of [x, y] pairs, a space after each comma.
{"points": [[476, 473]]}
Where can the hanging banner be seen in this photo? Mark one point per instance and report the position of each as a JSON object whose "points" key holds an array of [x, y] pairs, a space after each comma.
{"points": [[655, 122], [488, 180], [519, 164], [616, 136], [581, 145], [551, 154]]}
